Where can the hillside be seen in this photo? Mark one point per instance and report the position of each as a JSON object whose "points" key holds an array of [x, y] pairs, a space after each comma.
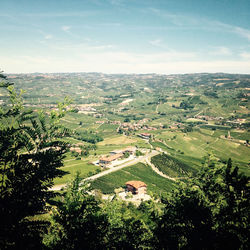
{"points": [[189, 116]]}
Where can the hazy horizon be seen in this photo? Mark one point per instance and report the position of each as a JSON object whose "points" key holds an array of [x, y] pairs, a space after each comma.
{"points": [[149, 73]]}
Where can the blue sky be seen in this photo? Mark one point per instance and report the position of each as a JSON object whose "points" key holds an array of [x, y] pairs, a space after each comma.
{"points": [[125, 36]]}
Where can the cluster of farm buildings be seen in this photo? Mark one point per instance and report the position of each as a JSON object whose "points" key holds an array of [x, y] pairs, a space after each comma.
{"points": [[135, 192], [116, 155], [136, 126]]}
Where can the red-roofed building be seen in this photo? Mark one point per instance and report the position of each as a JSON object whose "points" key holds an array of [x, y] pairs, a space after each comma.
{"points": [[136, 187], [107, 160]]}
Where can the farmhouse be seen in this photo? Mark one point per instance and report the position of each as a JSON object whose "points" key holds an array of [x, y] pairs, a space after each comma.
{"points": [[107, 160], [145, 135], [136, 187]]}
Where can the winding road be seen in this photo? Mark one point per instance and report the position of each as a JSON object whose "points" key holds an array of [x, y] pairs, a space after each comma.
{"points": [[144, 158], [127, 164]]}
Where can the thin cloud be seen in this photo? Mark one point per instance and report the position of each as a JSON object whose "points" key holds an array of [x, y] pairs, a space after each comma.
{"points": [[156, 42], [245, 55], [185, 21], [176, 19], [221, 51], [159, 43], [87, 45], [66, 28], [58, 14], [110, 24], [102, 47], [245, 33], [116, 2], [242, 32], [47, 37]]}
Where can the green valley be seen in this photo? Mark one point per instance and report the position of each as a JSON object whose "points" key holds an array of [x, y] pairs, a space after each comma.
{"points": [[188, 117]]}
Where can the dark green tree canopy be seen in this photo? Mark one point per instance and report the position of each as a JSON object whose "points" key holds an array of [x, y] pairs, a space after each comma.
{"points": [[208, 212], [30, 157]]}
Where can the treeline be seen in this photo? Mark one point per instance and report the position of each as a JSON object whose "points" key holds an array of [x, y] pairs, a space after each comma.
{"points": [[87, 137]]}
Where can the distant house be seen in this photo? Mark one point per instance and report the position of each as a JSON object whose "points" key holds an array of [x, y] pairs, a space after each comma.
{"points": [[145, 135], [158, 149], [136, 187], [107, 160]]}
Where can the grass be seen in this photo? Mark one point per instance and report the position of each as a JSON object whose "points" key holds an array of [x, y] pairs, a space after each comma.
{"points": [[117, 140], [197, 144], [142, 144], [140, 171], [72, 167], [240, 136], [107, 130], [105, 149], [162, 146]]}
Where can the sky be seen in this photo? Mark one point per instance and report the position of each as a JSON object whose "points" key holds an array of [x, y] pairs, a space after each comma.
{"points": [[125, 36]]}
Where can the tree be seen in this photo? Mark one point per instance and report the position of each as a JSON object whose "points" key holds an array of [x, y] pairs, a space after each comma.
{"points": [[127, 120], [127, 229], [207, 212], [81, 221], [138, 153], [30, 157], [77, 222], [126, 155]]}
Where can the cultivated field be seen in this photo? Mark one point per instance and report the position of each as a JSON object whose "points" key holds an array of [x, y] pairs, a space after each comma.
{"points": [[188, 117], [140, 171]]}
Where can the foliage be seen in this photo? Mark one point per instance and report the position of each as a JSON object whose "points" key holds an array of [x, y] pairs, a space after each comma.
{"points": [[30, 157], [77, 222], [81, 222], [188, 128], [186, 105], [138, 153], [88, 137], [127, 230], [126, 154], [207, 212]]}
